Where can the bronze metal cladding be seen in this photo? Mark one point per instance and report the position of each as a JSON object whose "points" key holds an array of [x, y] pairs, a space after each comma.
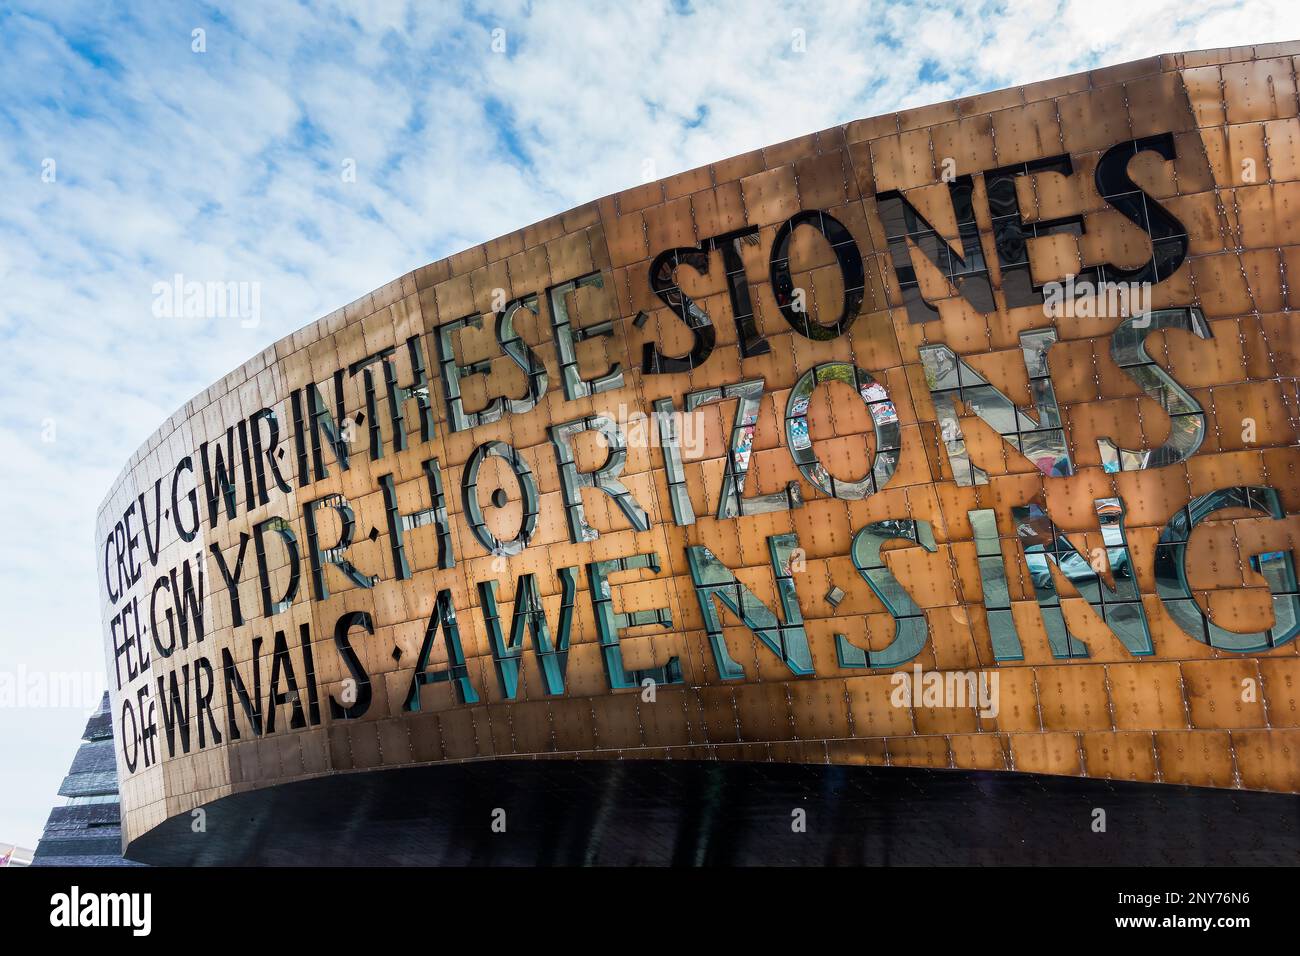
{"points": [[964, 437]]}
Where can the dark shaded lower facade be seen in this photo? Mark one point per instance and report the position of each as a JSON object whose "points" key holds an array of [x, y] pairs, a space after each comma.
{"points": [[87, 829], [551, 812]]}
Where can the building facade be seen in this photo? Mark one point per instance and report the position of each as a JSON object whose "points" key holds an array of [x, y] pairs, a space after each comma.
{"points": [[959, 439], [86, 830]]}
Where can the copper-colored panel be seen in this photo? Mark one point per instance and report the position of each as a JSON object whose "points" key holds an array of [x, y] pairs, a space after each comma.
{"points": [[1073, 697], [1119, 756], [1268, 760], [1281, 678], [979, 751], [859, 752], [968, 142], [1259, 89], [1018, 711], [1093, 119], [956, 717], [1201, 758], [1047, 753], [1223, 693], [921, 751], [1027, 132], [1146, 697], [873, 709]]}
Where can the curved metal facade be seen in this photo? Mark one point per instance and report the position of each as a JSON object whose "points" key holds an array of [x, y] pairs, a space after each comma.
{"points": [[963, 437]]}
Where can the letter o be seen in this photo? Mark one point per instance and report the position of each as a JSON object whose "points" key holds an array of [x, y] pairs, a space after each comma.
{"points": [[133, 736], [528, 487], [851, 271], [884, 420]]}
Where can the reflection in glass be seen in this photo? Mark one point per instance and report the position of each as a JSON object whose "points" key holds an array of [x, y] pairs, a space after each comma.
{"points": [[884, 419], [552, 659], [1187, 419], [951, 379], [396, 395], [605, 477], [993, 580], [609, 623], [663, 280], [787, 640], [399, 525], [965, 269], [456, 673], [668, 422], [517, 350], [1276, 567], [1011, 233], [794, 309], [527, 487], [453, 372], [321, 557], [742, 309], [281, 527], [732, 503], [910, 628], [1047, 548], [568, 335]]}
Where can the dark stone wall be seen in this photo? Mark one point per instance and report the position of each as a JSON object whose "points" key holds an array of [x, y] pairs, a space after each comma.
{"points": [[87, 832], [700, 813]]}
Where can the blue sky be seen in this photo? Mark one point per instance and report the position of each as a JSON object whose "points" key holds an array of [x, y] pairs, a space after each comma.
{"points": [[226, 165]]}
